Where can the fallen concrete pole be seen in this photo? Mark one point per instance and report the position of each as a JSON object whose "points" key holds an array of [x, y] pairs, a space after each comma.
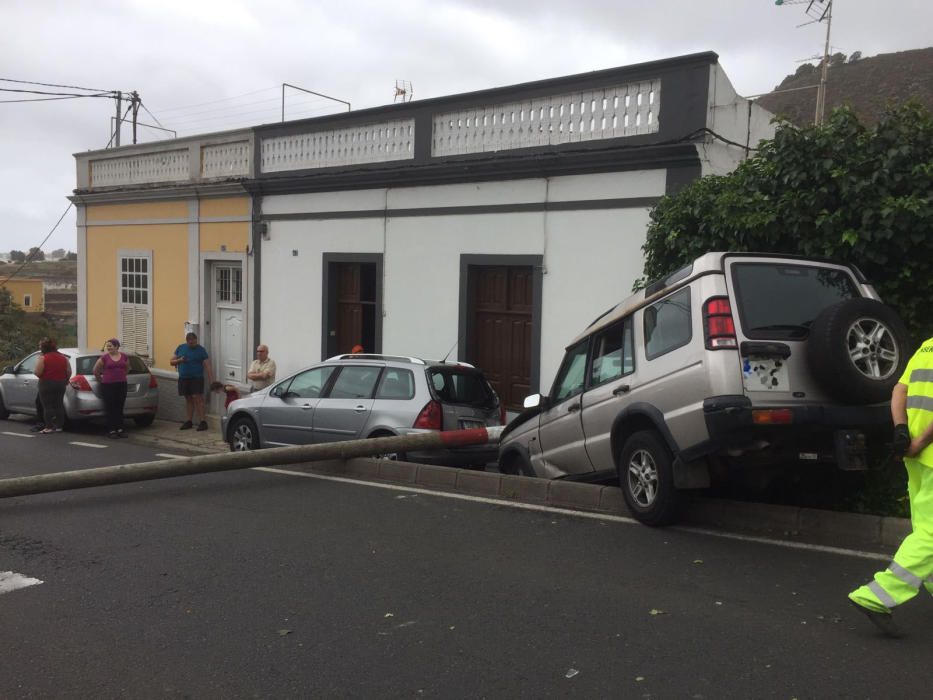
{"points": [[186, 466]]}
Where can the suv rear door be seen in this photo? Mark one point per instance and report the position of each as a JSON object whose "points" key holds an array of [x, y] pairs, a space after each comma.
{"points": [[774, 303]]}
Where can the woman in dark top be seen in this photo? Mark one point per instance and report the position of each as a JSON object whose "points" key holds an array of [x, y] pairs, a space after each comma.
{"points": [[54, 372], [110, 370]]}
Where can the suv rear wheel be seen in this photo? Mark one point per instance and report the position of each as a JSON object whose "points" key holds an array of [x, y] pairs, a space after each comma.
{"points": [[858, 350], [647, 479]]}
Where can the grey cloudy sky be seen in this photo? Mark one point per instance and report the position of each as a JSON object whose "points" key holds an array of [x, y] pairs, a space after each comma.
{"points": [[209, 65]]}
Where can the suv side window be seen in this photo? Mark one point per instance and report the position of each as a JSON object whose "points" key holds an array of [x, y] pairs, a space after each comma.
{"points": [[613, 353], [28, 366], [667, 324], [572, 374]]}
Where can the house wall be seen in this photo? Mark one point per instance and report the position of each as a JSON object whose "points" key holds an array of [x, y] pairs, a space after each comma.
{"points": [[590, 256], [20, 288], [181, 235]]}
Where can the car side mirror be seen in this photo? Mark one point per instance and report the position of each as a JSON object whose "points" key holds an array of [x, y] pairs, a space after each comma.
{"points": [[533, 401]]}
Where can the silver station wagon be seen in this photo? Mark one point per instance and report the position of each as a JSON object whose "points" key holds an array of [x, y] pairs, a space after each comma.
{"points": [[363, 396], [732, 368], [19, 387]]}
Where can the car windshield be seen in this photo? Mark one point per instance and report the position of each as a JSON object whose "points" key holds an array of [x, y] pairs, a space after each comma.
{"points": [[85, 365], [461, 386], [781, 300]]}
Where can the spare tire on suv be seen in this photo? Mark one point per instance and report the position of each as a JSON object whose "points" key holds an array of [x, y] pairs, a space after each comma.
{"points": [[857, 351]]}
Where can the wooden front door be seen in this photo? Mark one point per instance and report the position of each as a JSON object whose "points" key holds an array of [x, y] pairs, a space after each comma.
{"points": [[353, 289], [499, 330]]}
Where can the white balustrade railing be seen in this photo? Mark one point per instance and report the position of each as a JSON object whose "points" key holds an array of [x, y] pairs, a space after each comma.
{"points": [[624, 110], [370, 143], [162, 166], [225, 159]]}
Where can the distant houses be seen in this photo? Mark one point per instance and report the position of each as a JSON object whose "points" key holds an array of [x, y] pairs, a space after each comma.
{"points": [[28, 293]]}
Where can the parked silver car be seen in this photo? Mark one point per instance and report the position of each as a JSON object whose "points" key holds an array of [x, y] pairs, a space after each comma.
{"points": [[363, 396], [732, 367], [19, 387]]}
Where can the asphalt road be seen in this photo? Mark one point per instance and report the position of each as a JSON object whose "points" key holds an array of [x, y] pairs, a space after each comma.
{"points": [[258, 584]]}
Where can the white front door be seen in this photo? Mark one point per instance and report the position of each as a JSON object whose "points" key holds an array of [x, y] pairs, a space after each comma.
{"points": [[229, 331]]}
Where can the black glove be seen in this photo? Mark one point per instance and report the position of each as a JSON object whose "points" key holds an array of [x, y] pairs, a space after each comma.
{"points": [[901, 442]]}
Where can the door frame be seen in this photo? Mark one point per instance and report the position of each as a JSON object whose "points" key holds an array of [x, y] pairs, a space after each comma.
{"points": [[328, 302], [208, 332], [464, 327]]}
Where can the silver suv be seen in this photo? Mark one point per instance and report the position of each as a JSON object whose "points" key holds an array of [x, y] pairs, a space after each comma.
{"points": [[736, 363], [362, 396]]}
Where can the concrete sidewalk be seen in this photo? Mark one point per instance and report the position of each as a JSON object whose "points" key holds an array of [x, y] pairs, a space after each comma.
{"points": [[165, 434], [850, 530]]}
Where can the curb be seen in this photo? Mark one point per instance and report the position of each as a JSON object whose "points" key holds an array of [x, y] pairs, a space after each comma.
{"points": [[847, 530]]}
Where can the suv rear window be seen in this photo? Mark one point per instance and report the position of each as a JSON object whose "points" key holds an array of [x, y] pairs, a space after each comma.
{"points": [[460, 386], [781, 301]]}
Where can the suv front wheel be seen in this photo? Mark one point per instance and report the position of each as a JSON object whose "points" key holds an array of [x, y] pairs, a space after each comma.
{"points": [[647, 479]]}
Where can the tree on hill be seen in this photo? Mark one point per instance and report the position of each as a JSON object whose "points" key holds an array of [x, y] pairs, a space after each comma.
{"points": [[57, 254], [36, 254], [856, 194], [17, 256], [71, 256]]}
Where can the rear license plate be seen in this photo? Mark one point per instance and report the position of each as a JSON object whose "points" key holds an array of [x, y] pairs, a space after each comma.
{"points": [[765, 374], [470, 424]]}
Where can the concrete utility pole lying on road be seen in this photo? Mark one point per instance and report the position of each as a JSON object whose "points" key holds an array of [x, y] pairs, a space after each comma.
{"points": [[186, 466]]}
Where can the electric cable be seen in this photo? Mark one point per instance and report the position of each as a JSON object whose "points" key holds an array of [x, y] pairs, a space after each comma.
{"points": [[32, 82]]}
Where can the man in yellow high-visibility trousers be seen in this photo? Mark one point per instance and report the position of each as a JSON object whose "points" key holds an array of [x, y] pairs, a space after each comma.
{"points": [[912, 566]]}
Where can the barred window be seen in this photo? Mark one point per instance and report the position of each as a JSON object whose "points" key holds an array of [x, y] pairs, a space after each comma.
{"points": [[134, 280], [229, 285]]}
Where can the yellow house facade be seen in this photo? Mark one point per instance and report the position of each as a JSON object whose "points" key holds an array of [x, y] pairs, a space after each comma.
{"points": [[27, 293], [155, 263]]}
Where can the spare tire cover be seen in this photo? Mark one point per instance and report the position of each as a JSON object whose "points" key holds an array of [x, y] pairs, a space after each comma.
{"points": [[858, 350]]}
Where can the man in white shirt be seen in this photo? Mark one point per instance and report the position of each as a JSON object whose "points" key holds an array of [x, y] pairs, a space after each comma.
{"points": [[261, 370]]}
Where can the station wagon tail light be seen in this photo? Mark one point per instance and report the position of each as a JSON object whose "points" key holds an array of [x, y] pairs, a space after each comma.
{"points": [[718, 325], [773, 416], [79, 383], [153, 384], [430, 417]]}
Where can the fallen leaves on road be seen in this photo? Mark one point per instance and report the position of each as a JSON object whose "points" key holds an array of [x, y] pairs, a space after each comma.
{"points": [[571, 673], [282, 633], [655, 611]]}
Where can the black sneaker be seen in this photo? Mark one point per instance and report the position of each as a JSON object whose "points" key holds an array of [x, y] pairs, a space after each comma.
{"points": [[186, 425], [202, 425], [883, 621], [36, 428], [113, 434], [121, 433]]}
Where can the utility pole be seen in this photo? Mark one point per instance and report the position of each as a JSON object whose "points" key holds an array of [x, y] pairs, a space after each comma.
{"points": [[135, 101], [821, 93], [116, 134]]}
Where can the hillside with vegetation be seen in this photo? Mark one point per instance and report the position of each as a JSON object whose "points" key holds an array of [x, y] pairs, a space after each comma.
{"points": [[866, 85]]}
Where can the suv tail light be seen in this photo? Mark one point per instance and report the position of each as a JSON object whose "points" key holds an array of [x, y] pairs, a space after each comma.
{"points": [[153, 384], [430, 417], [79, 383], [718, 326]]}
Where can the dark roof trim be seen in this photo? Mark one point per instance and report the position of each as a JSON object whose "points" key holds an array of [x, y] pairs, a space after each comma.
{"points": [[576, 82]]}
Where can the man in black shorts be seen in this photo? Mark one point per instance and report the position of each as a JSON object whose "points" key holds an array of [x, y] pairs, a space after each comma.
{"points": [[191, 361]]}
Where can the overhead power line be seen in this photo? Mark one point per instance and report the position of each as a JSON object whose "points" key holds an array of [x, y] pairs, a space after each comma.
{"points": [[44, 99], [46, 92], [71, 87]]}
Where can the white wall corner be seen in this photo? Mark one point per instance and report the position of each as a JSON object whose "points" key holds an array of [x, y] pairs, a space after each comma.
{"points": [[194, 261], [82, 274]]}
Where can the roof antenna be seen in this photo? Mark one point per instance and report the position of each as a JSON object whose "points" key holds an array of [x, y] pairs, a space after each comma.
{"points": [[451, 350]]}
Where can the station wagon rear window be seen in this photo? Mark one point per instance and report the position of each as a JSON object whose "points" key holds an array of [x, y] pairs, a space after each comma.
{"points": [[780, 301], [460, 386]]}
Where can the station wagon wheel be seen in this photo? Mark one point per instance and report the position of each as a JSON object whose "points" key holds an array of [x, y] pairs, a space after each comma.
{"points": [[391, 456], [647, 479], [243, 435], [857, 350]]}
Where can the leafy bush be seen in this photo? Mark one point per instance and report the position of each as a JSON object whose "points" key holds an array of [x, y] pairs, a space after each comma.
{"points": [[842, 191]]}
